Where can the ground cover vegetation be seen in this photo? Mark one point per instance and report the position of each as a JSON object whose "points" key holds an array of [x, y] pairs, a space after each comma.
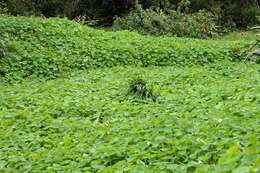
{"points": [[204, 120], [54, 47], [77, 99]]}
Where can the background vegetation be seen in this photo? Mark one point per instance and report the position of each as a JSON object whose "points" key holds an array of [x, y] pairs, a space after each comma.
{"points": [[175, 17]]}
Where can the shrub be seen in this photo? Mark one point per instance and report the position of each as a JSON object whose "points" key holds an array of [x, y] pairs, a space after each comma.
{"points": [[25, 7], [143, 21], [251, 52], [241, 17], [3, 55], [36, 7], [140, 88], [197, 25], [3, 9]]}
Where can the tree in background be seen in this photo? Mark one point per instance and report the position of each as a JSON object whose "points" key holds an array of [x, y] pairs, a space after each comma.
{"points": [[229, 12]]}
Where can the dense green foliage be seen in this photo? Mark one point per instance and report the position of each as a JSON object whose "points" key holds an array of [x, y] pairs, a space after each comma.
{"points": [[204, 120], [140, 89], [54, 47], [189, 18], [171, 104], [198, 25]]}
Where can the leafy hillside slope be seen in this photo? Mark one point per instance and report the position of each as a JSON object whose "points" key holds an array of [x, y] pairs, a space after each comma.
{"points": [[205, 118], [50, 47]]}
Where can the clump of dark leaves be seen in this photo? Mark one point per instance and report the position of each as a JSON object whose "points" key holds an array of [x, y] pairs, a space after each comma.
{"points": [[140, 88]]}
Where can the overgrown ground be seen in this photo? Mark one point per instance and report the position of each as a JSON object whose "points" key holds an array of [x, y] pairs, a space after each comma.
{"points": [[65, 107]]}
